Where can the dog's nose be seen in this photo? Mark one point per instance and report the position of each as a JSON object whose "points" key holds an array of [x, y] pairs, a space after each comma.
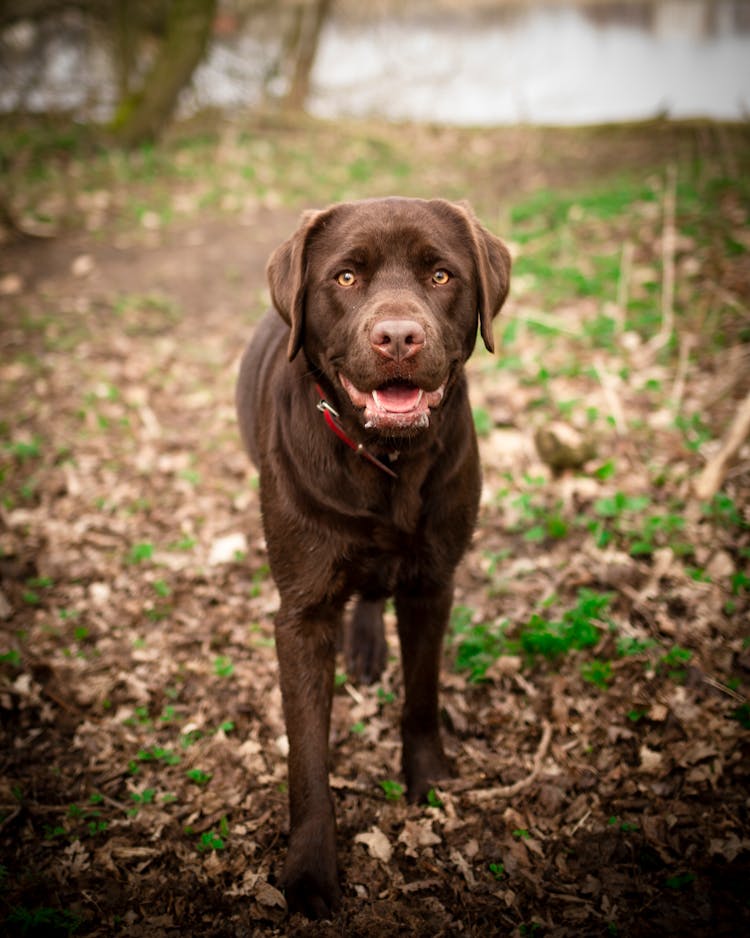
{"points": [[397, 338]]}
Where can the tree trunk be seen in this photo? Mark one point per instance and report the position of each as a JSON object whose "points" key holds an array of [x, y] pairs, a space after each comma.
{"points": [[141, 115], [124, 33], [309, 19]]}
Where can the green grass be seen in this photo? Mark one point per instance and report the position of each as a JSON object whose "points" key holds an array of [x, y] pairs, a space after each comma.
{"points": [[598, 673], [479, 644], [393, 790], [140, 553], [223, 666], [579, 627], [544, 638], [549, 209], [214, 840], [199, 776]]}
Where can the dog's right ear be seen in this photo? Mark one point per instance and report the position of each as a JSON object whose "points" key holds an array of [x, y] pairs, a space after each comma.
{"points": [[287, 272]]}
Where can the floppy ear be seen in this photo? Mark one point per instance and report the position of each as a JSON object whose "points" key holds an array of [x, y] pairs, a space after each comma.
{"points": [[286, 273], [493, 264]]}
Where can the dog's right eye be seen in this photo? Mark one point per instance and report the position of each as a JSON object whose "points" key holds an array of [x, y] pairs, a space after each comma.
{"points": [[346, 278]]}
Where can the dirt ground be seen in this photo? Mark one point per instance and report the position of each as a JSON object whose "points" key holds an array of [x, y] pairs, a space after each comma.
{"points": [[142, 771]]}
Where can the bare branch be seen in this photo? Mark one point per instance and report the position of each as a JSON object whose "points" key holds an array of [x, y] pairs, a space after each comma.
{"points": [[709, 481]]}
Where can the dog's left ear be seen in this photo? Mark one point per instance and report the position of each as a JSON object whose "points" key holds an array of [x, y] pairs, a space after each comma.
{"points": [[493, 264], [286, 272]]}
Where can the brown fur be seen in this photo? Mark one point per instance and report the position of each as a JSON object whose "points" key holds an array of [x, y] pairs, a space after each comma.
{"points": [[335, 525]]}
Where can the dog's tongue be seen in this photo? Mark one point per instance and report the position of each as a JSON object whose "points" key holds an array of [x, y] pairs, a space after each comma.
{"points": [[397, 398], [394, 407]]}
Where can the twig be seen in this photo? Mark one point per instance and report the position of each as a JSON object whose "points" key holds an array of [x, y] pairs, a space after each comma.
{"points": [[115, 804], [508, 791], [732, 366], [623, 283], [709, 481], [717, 685], [687, 342], [354, 693], [725, 296], [7, 821], [726, 151], [668, 245], [639, 605], [610, 393], [580, 822]]}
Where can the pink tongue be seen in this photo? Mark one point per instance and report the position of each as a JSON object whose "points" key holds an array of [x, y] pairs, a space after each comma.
{"points": [[397, 398]]}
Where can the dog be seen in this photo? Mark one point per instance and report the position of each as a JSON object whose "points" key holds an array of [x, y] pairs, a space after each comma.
{"points": [[352, 402]]}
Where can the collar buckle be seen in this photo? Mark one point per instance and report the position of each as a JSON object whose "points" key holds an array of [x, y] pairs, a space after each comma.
{"points": [[325, 408]]}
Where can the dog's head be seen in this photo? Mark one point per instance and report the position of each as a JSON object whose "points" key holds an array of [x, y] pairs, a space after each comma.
{"points": [[385, 296]]}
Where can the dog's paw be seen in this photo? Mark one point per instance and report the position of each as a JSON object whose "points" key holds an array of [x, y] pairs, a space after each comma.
{"points": [[311, 885], [424, 764]]}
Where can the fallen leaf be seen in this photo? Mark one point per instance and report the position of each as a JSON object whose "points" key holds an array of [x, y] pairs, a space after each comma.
{"points": [[460, 861], [268, 895], [82, 265], [226, 549], [729, 848], [378, 845], [10, 285], [651, 761], [417, 834]]}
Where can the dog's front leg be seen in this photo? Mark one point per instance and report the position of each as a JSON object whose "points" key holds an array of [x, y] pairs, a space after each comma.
{"points": [[306, 646], [422, 620]]}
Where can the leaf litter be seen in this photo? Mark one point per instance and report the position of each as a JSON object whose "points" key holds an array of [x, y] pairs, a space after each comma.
{"points": [[596, 672]]}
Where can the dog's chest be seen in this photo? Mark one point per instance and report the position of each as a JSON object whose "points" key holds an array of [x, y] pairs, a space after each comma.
{"points": [[395, 541], [399, 507]]}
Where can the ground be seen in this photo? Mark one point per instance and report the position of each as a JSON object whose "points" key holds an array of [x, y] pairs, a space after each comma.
{"points": [[595, 678]]}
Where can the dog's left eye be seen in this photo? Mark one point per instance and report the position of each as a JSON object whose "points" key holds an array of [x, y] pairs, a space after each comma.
{"points": [[345, 279], [440, 277]]}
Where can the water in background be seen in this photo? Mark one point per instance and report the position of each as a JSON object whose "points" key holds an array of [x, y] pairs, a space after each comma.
{"points": [[561, 64]]}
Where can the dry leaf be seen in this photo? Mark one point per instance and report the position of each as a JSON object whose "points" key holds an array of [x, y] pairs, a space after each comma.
{"points": [[651, 761], [10, 285], [268, 895], [226, 549], [460, 861], [417, 834], [82, 265], [378, 845], [729, 847]]}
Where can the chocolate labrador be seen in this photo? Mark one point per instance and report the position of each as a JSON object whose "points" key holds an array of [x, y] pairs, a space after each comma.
{"points": [[353, 404]]}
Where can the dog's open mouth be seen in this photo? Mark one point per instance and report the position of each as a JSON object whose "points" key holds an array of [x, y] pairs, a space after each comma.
{"points": [[396, 405]]}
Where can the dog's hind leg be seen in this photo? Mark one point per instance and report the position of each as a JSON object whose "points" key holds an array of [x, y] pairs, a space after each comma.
{"points": [[365, 647]]}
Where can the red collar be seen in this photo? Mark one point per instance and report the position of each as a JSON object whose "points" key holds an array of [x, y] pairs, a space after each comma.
{"points": [[331, 417]]}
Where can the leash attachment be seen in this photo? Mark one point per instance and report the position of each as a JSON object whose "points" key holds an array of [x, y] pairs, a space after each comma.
{"points": [[331, 417]]}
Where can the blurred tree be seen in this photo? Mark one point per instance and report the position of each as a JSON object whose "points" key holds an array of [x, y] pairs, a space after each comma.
{"points": [[301, 45], [142, 113], [182, 29], [156, 45]]}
